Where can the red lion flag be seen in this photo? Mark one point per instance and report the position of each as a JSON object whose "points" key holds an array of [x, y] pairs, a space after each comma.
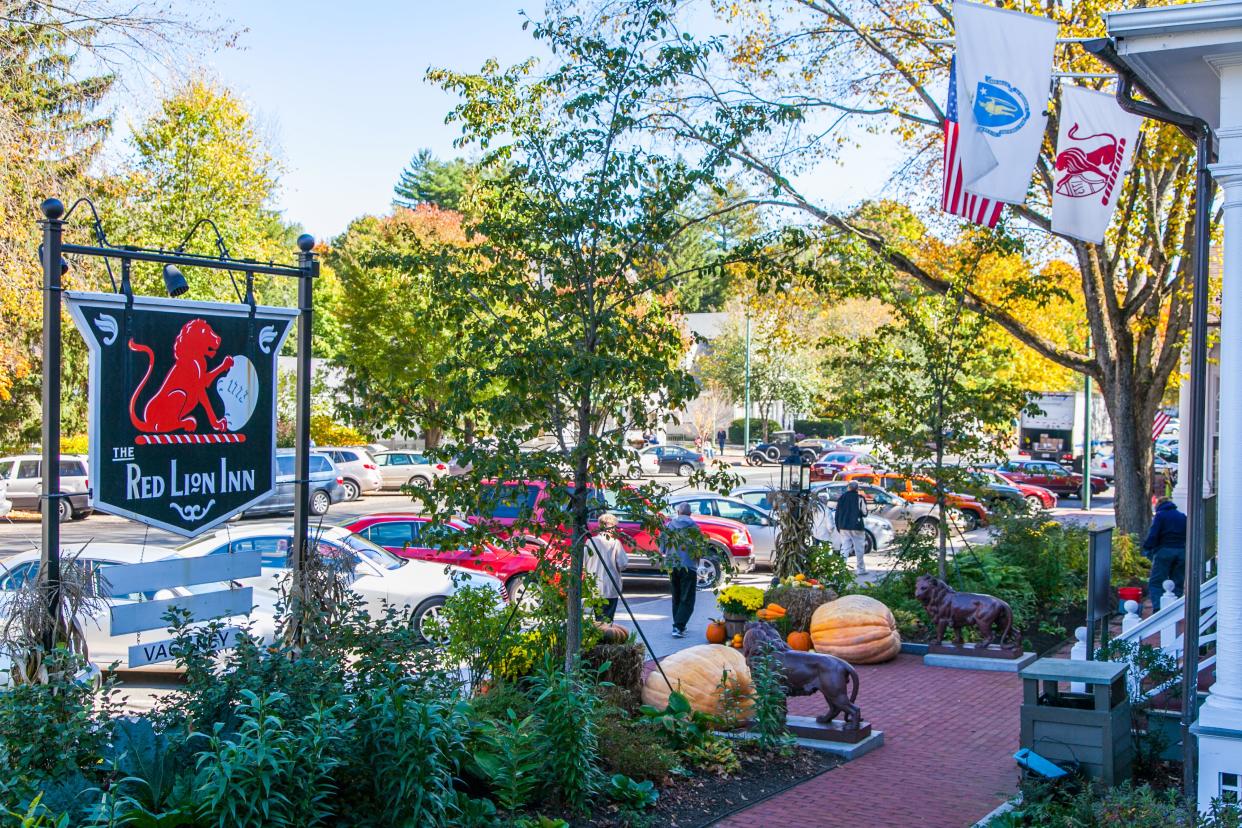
{"points": [[1095, 149]]}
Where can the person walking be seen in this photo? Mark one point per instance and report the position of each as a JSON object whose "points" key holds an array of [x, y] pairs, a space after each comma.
{"points": [[606, 559], [1166, 547], [681, 556], [721, 436], [851, 508]]}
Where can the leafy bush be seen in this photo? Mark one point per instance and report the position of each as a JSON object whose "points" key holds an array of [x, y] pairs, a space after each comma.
{"points": [[326, 431], [714, 755], [626, 746], [829, 567], [823, 428], [566, 720], [508, 753], [480, 631], [680, 725], [770, 702], [737, 429]]}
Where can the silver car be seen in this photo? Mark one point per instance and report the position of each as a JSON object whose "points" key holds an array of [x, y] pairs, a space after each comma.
{"points": [[325, 483], [903, 514], [880, 532], [358, 470], [23, 475], [757, 520], [407, 468]]}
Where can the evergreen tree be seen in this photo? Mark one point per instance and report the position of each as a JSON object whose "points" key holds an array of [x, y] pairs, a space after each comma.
{"points": [[428, 180]]}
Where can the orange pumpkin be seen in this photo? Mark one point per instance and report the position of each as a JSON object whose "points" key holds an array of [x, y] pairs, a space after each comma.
{"points": [[857, 628], [696, 673], [716, 632], [799, 640]]}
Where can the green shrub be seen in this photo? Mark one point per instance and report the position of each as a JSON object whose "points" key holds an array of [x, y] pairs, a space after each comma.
{"points": [[566, 720], [508, 754], [737, 430], [830, 568], [770, 703], [714, 755], [823, 428], [626, 746]]}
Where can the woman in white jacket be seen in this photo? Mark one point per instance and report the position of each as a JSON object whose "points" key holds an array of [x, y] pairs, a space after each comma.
{"points": [[605, 556]]}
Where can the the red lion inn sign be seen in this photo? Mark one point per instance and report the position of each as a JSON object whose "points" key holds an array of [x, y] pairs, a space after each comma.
{"points": [[182, 406]]}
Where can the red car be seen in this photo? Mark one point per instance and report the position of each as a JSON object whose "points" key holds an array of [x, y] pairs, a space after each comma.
{"points": [[406, 535], [1051, 476], [729, 538], [836, 464], [1036, 496]]}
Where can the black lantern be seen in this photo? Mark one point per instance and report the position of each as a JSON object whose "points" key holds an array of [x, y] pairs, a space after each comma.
{"points": [[804, 475], [791, 474]]}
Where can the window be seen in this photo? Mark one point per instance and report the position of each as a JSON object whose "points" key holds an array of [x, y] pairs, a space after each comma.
{"points": [[16, 576], [1230, 788], [273, 551], [442, 537], [699, 507], [346, 457], [508, 501], [72, 468], [319, 463], [27, 469], [397, 460], [397, 533], [882, 497], [738, 511], [415, 459], [284, 464], [894, 484], [6, 468]]}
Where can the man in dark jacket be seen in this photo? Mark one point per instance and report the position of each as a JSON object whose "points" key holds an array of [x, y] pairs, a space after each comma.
{"points": [[851, 507], [680, 543], [1166, 547]]}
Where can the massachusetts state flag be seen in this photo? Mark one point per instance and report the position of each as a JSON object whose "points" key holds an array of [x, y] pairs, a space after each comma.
{"points": [[954, 199]]}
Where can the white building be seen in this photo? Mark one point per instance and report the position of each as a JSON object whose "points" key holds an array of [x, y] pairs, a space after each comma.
{"points": [[1191, 57]]}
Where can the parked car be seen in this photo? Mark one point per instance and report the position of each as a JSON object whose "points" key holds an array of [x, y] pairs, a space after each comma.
{"points": [[1050, 475], [818, 446], [880, 531], [835, 464], [637, 463], [413, 536], [758, 521], [379, 577], [359, 473], [922, 489], [400, 468], [1103, 465], [507, 502], [903, 514], [677, 460], [1036, 497], [326, 487], [23, 474], [855, 442], [779, 445], [104, 648]]}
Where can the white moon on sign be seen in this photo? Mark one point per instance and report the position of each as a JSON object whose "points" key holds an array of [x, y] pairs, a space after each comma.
{"points": [[239, 389]]}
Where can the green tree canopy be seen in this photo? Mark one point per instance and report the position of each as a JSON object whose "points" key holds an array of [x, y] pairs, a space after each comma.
{"points": [[428, 180]]}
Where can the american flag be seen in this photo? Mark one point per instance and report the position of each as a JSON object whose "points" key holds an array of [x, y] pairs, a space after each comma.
{"points": [[954, 198], [1157, 426]]}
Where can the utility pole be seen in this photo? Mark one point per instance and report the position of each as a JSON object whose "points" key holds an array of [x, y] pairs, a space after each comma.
{"points": [[746, 418], [1086, 442]]}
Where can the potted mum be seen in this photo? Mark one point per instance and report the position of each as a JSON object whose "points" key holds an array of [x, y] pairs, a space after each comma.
{"points": [[739, 604]]}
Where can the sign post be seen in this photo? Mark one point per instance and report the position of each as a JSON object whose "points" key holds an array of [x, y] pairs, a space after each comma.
{"points": [[1099, 584], [49, 556]]}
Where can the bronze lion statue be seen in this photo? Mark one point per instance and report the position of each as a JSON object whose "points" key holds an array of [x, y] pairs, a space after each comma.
{"points": [[803, 674], [948, 607]]}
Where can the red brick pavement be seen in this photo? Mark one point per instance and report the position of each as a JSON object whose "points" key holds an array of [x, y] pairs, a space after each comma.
{"points": [[947, 759]]}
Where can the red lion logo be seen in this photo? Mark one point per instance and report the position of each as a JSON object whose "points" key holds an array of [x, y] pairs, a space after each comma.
{"points": [[185, 387], [1088, 172]]}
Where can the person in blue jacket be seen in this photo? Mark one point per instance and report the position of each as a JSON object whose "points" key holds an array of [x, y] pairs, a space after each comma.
{"points": [[1166, 547]]}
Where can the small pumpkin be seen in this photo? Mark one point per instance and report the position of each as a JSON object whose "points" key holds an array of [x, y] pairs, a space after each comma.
{"points": [[696, 673], [613, 633], [857, 628], [716, 633], [799, 640]]}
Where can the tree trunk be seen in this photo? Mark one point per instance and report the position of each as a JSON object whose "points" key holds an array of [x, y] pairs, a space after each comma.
{"points": [[1131, 418], [431, 436], [582, 531]]}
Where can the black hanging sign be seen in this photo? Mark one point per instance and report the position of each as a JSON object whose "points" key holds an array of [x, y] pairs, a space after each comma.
{"points": [[182, 406]]}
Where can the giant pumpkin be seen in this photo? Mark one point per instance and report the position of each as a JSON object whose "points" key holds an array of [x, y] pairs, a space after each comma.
{"points": [[696, 673], [857, 628]]}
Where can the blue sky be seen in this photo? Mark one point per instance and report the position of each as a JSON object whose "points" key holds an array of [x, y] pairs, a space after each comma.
{"points": [[339, 88]]}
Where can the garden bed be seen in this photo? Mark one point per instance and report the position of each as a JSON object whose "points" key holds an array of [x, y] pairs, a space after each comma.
{"points": [[703, 799]]}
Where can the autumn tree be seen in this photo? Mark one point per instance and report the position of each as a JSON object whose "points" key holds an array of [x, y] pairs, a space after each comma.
{"points": [[561, 285], [805, 78], [396, 336]]}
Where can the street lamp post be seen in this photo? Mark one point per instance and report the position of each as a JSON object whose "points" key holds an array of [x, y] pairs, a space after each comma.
{"points": [[746, 416]]}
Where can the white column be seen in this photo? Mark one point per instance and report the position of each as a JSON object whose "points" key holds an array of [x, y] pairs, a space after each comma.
{"points": [[1220, 720]]}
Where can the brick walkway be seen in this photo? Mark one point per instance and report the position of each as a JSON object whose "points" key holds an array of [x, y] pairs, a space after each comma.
{"points": [[947, 759]]}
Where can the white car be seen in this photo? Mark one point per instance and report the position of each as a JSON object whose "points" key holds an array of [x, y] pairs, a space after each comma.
{"points": [[6, 505], [879, 530], [1102, 465], [105, 649], [379, 577], [758, 521], [639, 463], [407, 468], [359, 473]]}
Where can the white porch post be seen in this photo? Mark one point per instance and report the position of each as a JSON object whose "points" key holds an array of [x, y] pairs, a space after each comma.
{"points": [[1220, 721], [1183, 420]]}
